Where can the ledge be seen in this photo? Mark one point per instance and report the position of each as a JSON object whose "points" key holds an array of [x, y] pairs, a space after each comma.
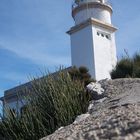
{"points": [[91, 21]]}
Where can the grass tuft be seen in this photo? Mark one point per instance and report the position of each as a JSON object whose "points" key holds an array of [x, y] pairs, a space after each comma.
{"points": [[52, 102]]}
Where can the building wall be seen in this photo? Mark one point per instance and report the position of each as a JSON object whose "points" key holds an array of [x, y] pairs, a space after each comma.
{"points": [[97, 13], [94, 47], [82, 49], [104, 52]]}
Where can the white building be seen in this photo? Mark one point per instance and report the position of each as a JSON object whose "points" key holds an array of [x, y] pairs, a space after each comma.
{"points": [[93, 37]]}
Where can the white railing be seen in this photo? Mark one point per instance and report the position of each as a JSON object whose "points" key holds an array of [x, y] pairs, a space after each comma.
{"points": [[74, 4]]}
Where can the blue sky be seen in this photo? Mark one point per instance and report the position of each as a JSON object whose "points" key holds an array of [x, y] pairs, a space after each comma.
{"points": [[33, 38]]}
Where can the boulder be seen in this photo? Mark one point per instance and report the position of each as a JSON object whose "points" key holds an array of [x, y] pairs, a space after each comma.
{"points": [[95, 90]]}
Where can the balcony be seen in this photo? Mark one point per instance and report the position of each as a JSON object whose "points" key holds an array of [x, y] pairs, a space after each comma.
{"points": [[76, 4]]}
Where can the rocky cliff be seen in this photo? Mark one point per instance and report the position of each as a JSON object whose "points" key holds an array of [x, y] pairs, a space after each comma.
{"points": [[115, 116]]}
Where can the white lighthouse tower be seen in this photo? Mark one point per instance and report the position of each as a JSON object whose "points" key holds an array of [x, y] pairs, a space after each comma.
{"points": [[93, 37]]}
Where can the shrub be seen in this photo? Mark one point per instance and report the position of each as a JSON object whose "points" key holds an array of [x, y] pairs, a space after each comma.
{"points": [[124, 68], [136, 65], [127, 67], [53, 102], [82, 74]]}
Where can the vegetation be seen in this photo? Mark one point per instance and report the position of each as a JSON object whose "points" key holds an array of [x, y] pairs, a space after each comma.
{"points": [[127, 67], [54, 101], [82, 74]]}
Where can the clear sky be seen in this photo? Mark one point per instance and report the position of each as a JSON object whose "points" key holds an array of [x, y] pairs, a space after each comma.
{"points": [[33, 38]]}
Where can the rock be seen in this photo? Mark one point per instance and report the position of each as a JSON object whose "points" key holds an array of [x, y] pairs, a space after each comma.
{"points": [[95, 90], [93, 103], [60, 128], [81, 118], [115, 117]]}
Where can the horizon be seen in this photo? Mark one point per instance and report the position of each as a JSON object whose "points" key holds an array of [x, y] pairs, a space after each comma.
{"points": [[33, 36]]}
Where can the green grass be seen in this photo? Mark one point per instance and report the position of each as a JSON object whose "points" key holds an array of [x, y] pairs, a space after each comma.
{"points": [[53, 102]]}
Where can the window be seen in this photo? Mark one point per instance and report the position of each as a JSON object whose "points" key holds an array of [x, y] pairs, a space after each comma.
{"points": [[103, 34], [98, 33], [108, 37]]}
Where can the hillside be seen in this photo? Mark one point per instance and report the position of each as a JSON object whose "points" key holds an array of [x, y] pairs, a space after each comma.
{"points": [[116, 116]]}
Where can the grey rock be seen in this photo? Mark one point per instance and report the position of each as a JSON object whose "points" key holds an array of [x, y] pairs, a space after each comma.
{"points": [[81, 118], [95, 90], [92, 104], [116, 117]]}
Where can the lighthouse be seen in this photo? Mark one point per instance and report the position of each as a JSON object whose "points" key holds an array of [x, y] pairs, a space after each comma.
{"points": [[93, 37]]}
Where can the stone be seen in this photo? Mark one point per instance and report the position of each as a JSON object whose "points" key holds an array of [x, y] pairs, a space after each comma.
{"points": [[93, 102], [81, 118], [95, 90]]}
